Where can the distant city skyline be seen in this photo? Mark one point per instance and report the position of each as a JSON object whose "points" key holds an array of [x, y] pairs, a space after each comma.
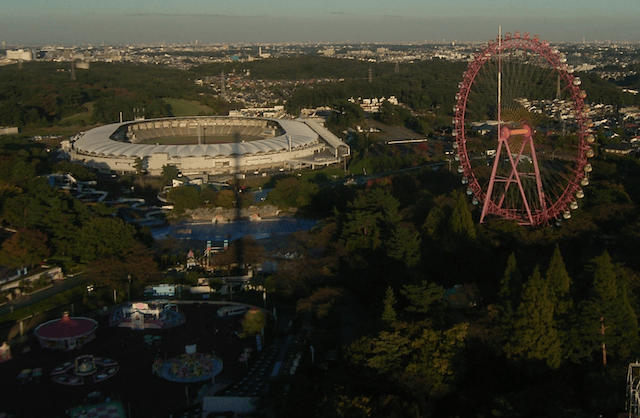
{"points": [[401, 21]]}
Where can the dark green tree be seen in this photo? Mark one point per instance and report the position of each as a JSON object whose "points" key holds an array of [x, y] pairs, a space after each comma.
{"points": [[370, 219], [292, 193], [509, 295], [559, 284], [609, 321], [184, 197], [462, 227], [141, 170], [404, 246], [226, 198], [169, 172], [389, 315], [102, 237], [421, 297], [535, 334]]}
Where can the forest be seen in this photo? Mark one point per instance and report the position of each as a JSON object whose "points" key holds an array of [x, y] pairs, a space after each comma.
{"points": [[412, 307]]}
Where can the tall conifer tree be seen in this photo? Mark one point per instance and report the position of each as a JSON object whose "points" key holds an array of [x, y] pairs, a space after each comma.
{"points": [[610, 323], [509, 294], [535, 334], [559, 284], [462, 226]]}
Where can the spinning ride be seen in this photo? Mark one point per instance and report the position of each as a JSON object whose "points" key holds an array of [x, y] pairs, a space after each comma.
{"points": [[189, 367], [521, 132], [66, 333], [77, 372]]}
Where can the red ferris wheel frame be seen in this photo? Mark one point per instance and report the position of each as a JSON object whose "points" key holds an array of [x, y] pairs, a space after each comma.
{"points": [[547, 210]]}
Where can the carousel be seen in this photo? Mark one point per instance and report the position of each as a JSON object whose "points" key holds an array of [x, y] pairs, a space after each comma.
{"points": [[189, 367], [66, 333]]}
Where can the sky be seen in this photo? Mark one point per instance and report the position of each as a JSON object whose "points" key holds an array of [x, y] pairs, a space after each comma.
{"points": [[38, 22]]}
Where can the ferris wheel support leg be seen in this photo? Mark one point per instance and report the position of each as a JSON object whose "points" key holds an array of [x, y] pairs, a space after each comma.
{"points": [[496, 160], [536, 170]]}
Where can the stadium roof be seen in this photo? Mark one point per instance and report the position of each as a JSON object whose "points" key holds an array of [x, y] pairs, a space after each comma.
{"points": [[98, 142]]}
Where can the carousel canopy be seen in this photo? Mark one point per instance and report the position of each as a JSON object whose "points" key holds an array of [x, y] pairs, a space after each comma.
{"points": [[66, 327]]}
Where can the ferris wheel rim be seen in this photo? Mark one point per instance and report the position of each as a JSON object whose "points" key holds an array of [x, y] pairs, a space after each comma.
{"points": [[542, 48]]}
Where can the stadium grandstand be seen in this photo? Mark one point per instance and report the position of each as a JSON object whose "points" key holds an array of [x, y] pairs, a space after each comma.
{"points": [[207, 145]]}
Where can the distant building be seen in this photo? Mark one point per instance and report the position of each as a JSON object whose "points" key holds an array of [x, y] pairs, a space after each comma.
{"points": [[19, 55], [373, 105], [620, 149], [8, 130]]}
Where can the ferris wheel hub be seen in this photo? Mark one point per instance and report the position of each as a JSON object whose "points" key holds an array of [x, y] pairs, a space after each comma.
{"points": [[506, 132]]}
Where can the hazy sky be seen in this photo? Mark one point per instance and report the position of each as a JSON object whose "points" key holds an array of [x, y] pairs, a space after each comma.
{"points": [[211, 21]]}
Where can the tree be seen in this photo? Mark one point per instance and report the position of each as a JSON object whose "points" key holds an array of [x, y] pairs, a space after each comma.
{"points": [[321, 302], [389, 313], [435, 224], [370, 219], [416, 357], [133, 268], [436, 358], [559, 284], [103, 237], [610, 322], [292, 192], [462, 227], [422, 296], [184, 197], [169, 172], [535, 333], [509, 295], [345, 114], [247, 250], [226, 198], [24, 249], [404, 246]]}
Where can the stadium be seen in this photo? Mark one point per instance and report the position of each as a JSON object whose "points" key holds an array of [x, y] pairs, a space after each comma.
{"points": [[209, 145]]}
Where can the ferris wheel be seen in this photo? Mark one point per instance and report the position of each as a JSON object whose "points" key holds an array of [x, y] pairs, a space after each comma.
{"points": [[521, 130]]}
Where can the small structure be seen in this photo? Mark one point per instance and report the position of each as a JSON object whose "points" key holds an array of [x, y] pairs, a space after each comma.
{"points": [[5, 352], [66, 333], [160, 314], [254, 322], [191, 260]]}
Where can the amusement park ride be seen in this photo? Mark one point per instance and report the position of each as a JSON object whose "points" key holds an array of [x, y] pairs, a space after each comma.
{"points": [[521, 132]]}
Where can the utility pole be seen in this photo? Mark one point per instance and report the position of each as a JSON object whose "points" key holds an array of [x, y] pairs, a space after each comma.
{"points": [[222, 85], [604, 346]]}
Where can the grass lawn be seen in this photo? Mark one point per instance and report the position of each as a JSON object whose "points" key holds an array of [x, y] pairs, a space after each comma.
{"points": [[82, 118], [181, 107]]}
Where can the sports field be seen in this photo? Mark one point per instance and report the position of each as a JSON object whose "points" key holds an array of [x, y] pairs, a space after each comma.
{"points": [[210, 139]]}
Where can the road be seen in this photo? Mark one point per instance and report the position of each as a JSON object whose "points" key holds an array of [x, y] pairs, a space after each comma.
{"points": [[58, 287]]}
